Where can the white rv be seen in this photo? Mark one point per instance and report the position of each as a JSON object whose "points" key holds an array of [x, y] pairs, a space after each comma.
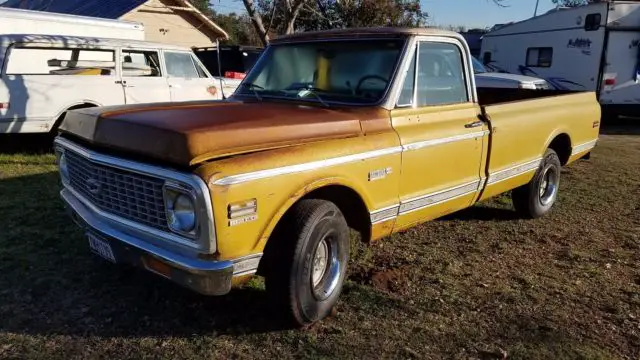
{"points": [[593, 47], [18, 21]]}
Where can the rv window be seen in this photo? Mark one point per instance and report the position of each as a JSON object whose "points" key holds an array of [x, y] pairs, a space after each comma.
{"points": [[60, 61], [592, 22], [539, 57], [140, 63]]}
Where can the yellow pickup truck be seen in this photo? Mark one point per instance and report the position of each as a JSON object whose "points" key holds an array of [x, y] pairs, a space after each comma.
{"points": [[376, 130]]}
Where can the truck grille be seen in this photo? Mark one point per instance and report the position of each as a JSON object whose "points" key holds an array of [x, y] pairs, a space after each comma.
{"points": [[120, 192]]}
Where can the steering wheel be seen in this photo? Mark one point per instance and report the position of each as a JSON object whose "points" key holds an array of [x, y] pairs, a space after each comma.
{"points": [[367, 77]]}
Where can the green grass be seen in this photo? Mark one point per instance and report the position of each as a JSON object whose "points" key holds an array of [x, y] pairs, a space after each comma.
{"points": [[475, 285]]}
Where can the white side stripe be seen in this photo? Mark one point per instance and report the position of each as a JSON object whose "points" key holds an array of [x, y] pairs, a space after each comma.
{"points": [[584, 147], [427, 143], [513, 171], [438, 197], [292, 169]]}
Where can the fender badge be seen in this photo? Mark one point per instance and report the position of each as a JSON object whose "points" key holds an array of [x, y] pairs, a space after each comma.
{"points": [[379, 174], [242, 220]]}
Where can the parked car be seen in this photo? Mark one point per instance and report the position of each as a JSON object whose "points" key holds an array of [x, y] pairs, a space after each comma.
{"points": [[353, 128], [489, 79], [45, 76], [235, 63]]}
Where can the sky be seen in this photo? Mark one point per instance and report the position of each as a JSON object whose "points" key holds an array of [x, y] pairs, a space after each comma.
{"points": [[470, 13]]}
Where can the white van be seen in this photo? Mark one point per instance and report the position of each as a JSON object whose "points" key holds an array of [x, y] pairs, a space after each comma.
{"points": [[595, 47], [43, 76]]}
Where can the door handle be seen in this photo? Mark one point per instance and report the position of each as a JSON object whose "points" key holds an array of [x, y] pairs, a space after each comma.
{"points": [[474, 124], [123, 82]]}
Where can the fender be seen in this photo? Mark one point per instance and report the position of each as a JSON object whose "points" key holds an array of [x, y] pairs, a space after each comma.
{"points": [[555, 133], [69, 106], [299, 194]]}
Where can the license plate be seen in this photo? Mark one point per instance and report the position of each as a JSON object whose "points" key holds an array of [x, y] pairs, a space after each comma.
{"points": [[101, 248]]}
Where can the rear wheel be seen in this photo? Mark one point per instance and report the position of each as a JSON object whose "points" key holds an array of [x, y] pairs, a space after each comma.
{"points": [[305, 277], [536, 198]]}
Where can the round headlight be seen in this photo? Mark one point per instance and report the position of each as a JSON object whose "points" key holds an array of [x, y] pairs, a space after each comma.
{"points": [[64, 169], [181, 213]]}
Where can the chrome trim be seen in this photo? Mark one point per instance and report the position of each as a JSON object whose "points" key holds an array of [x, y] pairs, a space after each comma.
{"points": [[292, 169], [206, 237], [583, 147], [428, 200], [246, 265], [427, 143], [384, 214], [513, 171], [205, 276]]}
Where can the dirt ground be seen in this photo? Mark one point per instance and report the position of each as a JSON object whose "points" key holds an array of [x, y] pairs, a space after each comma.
{"points": [[478, 284]]}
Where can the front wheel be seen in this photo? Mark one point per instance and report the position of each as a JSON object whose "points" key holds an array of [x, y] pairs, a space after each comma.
{"points": [[536, 198], [305, 278]]}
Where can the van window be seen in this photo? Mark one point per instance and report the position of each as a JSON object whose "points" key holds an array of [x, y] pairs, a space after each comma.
{"points": [[180, 65], [440, 75], [140, 63], [60, 61], [199, 69], [592, 22], [539, 57]]}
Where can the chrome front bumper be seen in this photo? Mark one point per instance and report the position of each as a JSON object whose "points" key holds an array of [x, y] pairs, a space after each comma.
{"points": [[207, 277]]}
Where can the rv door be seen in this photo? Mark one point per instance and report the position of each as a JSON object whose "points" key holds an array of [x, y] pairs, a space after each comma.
{"points": [[620, 84]]}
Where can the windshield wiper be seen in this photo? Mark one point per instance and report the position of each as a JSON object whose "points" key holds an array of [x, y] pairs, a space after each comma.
{"points": [[312, 91], [253, 87]]}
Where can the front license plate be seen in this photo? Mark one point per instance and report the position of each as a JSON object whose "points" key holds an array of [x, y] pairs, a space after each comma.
{"points": [[101, 248]]}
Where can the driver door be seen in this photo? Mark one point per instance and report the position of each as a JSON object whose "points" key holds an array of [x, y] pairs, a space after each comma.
{"points": [[441, 135]]}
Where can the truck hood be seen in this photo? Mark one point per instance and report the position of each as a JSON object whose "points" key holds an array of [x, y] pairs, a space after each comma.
{"points": [[186, 134]]}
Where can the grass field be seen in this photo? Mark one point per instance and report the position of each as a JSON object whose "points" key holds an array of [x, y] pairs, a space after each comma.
{"points": [[479, 284]]}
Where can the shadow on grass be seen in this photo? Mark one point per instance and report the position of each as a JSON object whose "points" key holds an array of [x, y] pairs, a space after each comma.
{"points": [[483, 213], [52, 284], [622, 126], [25, 143]]}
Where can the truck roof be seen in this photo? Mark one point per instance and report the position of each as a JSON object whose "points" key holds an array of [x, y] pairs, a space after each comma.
{"points": [[87, 42], [364, 33]]}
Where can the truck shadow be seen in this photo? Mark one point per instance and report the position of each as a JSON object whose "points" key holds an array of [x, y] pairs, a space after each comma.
{"points": [[52, 284]]}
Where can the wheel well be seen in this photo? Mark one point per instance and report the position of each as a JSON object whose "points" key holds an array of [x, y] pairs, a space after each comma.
{"points": [[561, 144], [74, 107]]}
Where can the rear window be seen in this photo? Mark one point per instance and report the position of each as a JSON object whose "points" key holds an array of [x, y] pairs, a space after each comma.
{"points": [[60, 61]]}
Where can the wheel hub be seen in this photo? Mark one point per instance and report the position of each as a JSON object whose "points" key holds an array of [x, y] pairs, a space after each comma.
{"points": [[548, 186], [320, 260]]}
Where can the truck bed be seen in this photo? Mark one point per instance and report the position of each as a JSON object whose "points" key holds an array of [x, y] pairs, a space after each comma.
{"points": [[491, 96]]}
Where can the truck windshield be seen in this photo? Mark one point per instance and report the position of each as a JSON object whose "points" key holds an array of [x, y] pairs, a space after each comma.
{"points": [[355, 72]]}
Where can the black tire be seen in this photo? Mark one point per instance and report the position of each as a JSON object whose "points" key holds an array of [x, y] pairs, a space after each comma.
{"points": [[536, 198], [300, 293]]}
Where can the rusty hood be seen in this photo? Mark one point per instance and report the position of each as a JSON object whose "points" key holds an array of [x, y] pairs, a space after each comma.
{"points": [[186, 134]]}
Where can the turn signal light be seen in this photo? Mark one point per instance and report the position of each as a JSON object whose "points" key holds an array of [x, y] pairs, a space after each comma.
{"points": [[610, 82], [4, 105]]}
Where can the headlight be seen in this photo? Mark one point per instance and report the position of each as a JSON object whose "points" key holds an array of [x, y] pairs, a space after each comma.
{"points": [[530, 86], [181, 210], [63, 166]]}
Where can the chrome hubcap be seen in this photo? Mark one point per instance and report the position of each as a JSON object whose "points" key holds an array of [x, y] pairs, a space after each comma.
{"points": [[548, 186], [320, 260]]}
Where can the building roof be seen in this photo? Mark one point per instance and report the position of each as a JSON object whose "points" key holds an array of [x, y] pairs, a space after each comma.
{"points": [[365, 33], [108, 9]]}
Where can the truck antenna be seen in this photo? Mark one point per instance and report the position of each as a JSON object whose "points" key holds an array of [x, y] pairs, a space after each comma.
{"points": [[220, 69]]}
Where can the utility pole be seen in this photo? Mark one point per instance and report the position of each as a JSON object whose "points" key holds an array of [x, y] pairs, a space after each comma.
{"points": [[535, 12]]}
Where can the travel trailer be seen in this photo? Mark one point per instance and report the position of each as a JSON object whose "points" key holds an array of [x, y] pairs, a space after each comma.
{"points": [[17, 21], [594, 47]]}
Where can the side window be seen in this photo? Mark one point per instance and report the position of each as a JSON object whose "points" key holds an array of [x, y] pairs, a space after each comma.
{"points": [[441, 78], [199, 69], [60, 61], [406, 95], [180, 65], [592, 22], [539, 57], [140, 63]]}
